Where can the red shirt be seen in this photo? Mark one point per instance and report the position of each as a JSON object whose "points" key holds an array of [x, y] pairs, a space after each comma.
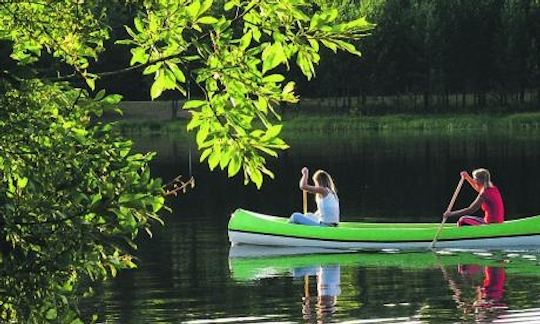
{"points": [[493, 287], [492, 206]]}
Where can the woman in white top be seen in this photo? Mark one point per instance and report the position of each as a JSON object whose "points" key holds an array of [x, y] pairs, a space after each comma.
{"points": [[325, 192]]}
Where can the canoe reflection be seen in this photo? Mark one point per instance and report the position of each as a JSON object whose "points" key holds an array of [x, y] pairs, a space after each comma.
{"points": [[477, 281]]}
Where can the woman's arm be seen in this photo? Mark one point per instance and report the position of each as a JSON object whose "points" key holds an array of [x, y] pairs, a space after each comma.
{"points": [[474, 206], [311, 189], [465, 175]]}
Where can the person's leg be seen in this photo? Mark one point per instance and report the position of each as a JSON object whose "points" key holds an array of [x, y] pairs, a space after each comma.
{"points": [[470, 220], [307, 219]]}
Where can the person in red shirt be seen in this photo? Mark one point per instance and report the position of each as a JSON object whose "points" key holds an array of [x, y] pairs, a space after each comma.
{"points": [[489, 199]]}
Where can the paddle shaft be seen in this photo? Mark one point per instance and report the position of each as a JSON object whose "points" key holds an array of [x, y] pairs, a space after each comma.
{"points": [[306, 277], [304, 196], [450, 206]]}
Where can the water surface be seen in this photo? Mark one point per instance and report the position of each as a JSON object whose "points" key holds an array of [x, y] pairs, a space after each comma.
{"points": [[188, 273]]}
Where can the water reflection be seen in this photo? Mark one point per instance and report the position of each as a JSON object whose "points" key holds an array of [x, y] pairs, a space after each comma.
{"points": [[486, 283], [328, 278], [186, 273], [475, 282]]}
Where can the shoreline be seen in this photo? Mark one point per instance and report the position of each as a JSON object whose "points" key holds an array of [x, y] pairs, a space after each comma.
{"points": [[350, 124]]}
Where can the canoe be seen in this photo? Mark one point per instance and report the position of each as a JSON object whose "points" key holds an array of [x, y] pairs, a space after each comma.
{"points": [[252, 262], [248, 227]]}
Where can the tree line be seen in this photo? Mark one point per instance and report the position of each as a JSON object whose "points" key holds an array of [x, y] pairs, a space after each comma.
{"points": [[423, 56], [429, 56]]}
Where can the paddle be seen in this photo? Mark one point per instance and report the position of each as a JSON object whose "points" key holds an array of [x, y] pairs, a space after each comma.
{"points": [[305, 201], [450, 206]]}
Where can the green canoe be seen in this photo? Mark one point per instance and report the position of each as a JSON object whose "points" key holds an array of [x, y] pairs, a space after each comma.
{"points": [[247, 227]]}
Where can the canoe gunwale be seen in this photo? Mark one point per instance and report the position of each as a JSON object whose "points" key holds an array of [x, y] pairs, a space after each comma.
{"points": [[385, 241]]}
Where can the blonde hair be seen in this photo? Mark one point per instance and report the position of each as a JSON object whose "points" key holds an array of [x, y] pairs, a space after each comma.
{"points": [[325, 180], [482, 175]]}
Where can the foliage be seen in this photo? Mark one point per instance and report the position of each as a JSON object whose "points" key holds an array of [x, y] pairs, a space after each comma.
{"points": [[232, 52], [73, 196], [64, 176], [235, 57]]}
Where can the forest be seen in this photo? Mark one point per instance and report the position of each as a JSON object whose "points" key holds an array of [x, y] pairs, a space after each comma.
{"points": [[423, 56]]}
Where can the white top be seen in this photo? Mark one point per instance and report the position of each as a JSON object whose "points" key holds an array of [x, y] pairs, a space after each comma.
{"points": [[328, 208], [329, 282]]}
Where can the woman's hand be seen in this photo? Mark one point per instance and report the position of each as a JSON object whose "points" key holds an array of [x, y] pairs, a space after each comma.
{"points": [[464, 174], [303, 180]]}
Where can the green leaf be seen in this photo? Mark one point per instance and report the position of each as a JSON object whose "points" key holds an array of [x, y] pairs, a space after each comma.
{"points": [[91, 82], [267, 172], [178, 74], [273, 78], [205, 6], [157, 203], [272, 56], [321, 19], [214, 159], [256, 34], [305, 64], [289, 87], [95, 198], [246, 40], [156, 89], [267, 150], [348, 47], [202, 134], [231, 4], [194, 122], [226, 157], [262, 104], [112, 99], [194, 104], [272, 132], [234, 164], [51, 314], [256, 176], [22, 182], [139, 25], [205, 154], [208, 20], [329, 44], [100, 95], [314, 44], [193, 9], [138, 56], [151, 69], [79, 321]]}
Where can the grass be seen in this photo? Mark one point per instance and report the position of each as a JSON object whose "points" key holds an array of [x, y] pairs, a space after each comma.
{"points": [[414, 123], [348, 124]]}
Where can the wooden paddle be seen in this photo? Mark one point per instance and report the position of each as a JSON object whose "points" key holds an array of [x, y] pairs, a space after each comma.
{"points": [[305, 201], [450, 206]]}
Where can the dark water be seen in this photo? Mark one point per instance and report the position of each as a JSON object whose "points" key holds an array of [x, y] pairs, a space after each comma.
{"points": [[186, 274]]}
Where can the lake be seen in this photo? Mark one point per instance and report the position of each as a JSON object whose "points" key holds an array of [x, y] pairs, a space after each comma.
{"points": [[189, 273]]}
